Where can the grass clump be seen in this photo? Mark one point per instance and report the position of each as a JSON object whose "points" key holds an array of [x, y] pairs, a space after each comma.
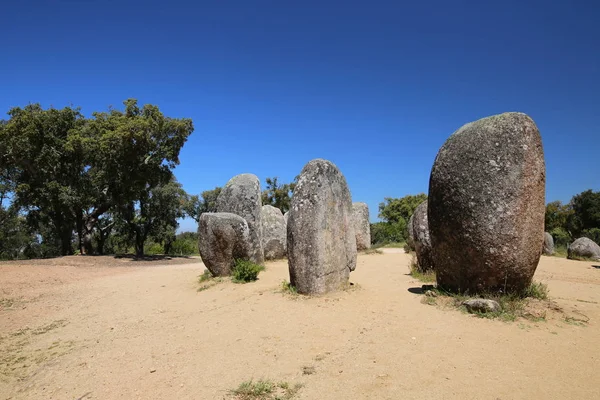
{"points": [[265, 390], [208, 280], [245, 271], [287, 287], [206, 276], [415, 272], [392, 245], [531, 304], [536, 290]]}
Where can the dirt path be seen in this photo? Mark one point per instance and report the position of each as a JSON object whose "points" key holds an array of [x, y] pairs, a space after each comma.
{"points": [[123, 332]]}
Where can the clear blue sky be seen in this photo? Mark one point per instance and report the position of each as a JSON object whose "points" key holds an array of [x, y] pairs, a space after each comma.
{"points": [[374, 86]]}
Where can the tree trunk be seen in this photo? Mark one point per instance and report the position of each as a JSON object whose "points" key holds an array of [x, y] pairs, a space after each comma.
{"points": [[65, 242], [167, 246], [140, 239], [88, 246], [79, 227], [86, 225]]}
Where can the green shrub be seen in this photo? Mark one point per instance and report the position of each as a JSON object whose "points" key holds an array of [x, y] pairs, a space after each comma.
{"points": [[593, 233], [287, 287], [561, 237], [153, 248], [387, 232], [245, 271]]}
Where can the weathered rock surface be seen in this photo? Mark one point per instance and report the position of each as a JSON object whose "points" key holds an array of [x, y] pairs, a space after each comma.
{"points": [[241, 196], [481, 305], [285, 216], [548, 244], [411, 234], [362, 226], [223, 238], [584, 248], [421, 238], [486, 205], [274, 233], [320, 230]]}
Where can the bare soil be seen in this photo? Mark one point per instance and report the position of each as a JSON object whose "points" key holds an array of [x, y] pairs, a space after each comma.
{"points": [[106, 328]]}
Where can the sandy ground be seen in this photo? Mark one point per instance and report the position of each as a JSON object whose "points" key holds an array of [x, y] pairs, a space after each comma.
{"points": [[126, 330]]}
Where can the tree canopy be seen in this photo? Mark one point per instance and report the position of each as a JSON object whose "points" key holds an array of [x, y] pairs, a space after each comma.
{"points": [[65, 171]]}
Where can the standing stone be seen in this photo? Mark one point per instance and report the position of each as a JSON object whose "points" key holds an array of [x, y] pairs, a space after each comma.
{"points": [[223, 238], [421, 238], [241, 196], [583, 248], [410, 240], [320, 231], [362, 226], [274, 233], [486, 205], [548, 244]]}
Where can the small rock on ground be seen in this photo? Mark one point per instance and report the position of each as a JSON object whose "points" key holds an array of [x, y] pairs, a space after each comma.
{"points": [[481, 305]]}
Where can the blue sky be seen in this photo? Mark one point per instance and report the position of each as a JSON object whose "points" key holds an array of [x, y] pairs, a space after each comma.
{"points": [[374, 86]]}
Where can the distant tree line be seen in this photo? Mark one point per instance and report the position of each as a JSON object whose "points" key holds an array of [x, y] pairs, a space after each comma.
{"points": [[565, 222], [99, 185], [580, 217], [395, 214]]}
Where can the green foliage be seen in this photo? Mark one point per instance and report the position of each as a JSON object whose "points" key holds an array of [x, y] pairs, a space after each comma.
{"points": [[396, 210], [287, 287], [206, 276], [265, 390], [415, 272], [561, 237], [185, 244], [195, 206], [395, 214], [512, 305], [557, 215], [586, 213], [581, 217], [278, 195], [592, 233], [245, 271], [154, 214], [388, 232], [66, 171], [537, 290], [43, 167]]}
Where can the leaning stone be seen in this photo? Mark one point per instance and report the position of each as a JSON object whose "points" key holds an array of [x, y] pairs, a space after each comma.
{"points": [[481, 305], [223, 238], [320, 231], [421, 238], [486, 205], [241, 196], [548, 244], [274, 233], [362, 226], [584, 248]]}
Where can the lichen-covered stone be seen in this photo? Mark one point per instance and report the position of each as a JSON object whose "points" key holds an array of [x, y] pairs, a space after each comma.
{"points": [[584, 248], [486, 205], [362, 226], [274, 233], [421, 238], [223, 238], [548, 244], [242, 196], [320, 230]]}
